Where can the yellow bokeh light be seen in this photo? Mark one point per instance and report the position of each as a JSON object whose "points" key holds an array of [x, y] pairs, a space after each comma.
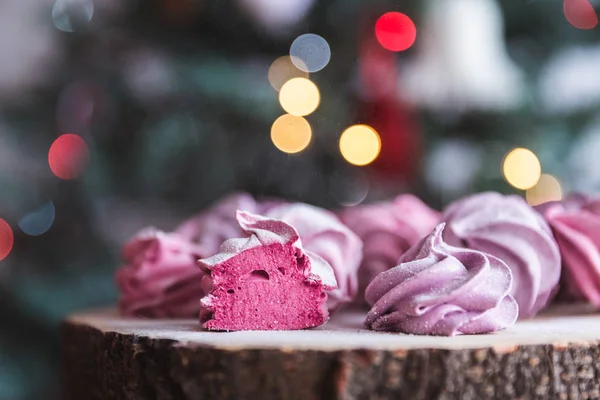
{"points": [[360, 145], [282, 70], [291, 134], [299, 97], [547, 189], [522, 169]]}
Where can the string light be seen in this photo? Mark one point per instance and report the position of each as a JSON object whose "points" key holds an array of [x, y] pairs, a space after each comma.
{"points": [[282, 70], [547, 189], [360, 145], [299, 97], [291, 134], [68, 156], [580, 14], [6, 239], [522, 169], [310, 52], [38, 221], [395, 31]]}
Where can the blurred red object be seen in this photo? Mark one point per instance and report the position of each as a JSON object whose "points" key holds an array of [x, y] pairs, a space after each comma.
{"points": [[395, 31], [6, 239], [68, 156], [580, 14], [180, 10], [382, 109]]}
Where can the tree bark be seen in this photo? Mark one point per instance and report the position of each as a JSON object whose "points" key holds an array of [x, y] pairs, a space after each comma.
{"points": [[108, 357]]}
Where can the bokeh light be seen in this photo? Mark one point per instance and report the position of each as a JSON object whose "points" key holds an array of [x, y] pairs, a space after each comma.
{"points": [[522, 169], [68, 15], [395, 31], [38, 221], [580, 14], [547, 189], [6, 239], [68, 156], [77, 105], [349, 191], [291, 134], [310, 52], [452, 166], [282, 70], [360, 145], [299, 97]]}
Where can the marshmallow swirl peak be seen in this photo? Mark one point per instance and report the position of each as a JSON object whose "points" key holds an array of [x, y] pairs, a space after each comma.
{"points": [[264, 231], [160, 278], [576, 226], [508, 228], [216, 224], [322, 233], [211, 227], [265, 281], [438, 289], [388, 229]]}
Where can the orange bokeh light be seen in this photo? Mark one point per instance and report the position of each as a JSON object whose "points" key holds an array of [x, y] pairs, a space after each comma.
{"points": [[360, 145]]}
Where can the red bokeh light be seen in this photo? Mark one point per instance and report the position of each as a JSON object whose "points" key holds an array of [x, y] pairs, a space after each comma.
{"points": [[580, 14], [6, 239], [68, 156], [395, 31]]}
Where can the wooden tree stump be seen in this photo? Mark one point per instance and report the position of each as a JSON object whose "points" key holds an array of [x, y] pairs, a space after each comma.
{"points": [[554, 356]]}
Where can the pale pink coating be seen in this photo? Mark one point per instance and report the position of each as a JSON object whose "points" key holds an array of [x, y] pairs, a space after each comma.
{"points": [[388, 229], [265, 281], [575, 223], [438, 289], [160, 278], [322, 233], [210, 228], [508, 228]]}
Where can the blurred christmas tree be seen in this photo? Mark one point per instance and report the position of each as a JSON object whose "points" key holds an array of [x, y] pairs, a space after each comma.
{"points": [[176, 102]]}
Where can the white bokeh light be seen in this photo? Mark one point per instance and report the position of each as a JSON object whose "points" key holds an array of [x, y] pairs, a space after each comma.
{"points": [[452, 166], [310, 52], [67, 15], [349, 191]]}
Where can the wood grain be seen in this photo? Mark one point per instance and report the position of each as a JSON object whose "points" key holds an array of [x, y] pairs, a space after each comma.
{"points": [[554, 356]]}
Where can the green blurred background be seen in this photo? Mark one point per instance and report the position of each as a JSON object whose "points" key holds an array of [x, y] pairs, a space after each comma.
{"points": [[173, 101]]}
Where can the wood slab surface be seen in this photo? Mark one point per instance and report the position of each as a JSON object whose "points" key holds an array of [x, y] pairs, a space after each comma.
{"points": [[105, 356]]}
